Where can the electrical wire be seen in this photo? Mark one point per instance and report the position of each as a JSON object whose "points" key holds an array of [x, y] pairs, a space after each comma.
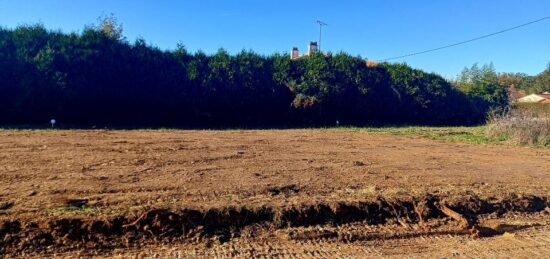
{"points": [[466, 41]]}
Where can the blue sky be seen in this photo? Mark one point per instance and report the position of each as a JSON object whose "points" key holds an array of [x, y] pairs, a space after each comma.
{"points": [[374, 29]]}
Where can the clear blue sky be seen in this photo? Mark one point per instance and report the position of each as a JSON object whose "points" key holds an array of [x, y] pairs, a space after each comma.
{"points": [[375, 29]]}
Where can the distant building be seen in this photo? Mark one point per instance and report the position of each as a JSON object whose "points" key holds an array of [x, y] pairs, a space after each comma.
{"points": [[536, 98], [371, 63], [311, 48]]}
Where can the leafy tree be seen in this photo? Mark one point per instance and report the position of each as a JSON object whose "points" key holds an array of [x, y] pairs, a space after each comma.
{"points": [[541, 83], [110, 26], [98, 78], [483, 83]]}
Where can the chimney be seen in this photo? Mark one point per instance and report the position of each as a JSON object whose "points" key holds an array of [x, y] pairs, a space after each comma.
{"points": [[312, 47], [294, 54]]}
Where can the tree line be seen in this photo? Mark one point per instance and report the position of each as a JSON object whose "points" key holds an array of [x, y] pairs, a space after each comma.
{"points": [[525, 84], [97, 78]]}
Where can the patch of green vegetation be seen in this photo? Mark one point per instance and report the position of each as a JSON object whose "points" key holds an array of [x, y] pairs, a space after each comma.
{"points": [[74, 211], [231, 198], [472, 135]]}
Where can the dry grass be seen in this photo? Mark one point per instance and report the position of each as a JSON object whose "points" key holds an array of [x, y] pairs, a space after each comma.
{"points": [[523, 125]]}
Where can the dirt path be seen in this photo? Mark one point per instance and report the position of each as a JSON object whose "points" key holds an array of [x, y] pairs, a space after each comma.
{"points": [[316, 177]]}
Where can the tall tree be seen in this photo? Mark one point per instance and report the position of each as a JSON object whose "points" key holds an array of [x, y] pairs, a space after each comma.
{"points": [[483, 84]]}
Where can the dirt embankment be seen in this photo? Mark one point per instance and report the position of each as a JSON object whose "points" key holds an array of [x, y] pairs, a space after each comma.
{"points": [[223, 224]]}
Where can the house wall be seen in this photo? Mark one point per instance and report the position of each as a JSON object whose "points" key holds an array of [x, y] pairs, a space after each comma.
{"points": [[532, 98]]}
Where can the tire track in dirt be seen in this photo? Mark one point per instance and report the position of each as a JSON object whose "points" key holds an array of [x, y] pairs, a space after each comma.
{"points": [[529, 243]]}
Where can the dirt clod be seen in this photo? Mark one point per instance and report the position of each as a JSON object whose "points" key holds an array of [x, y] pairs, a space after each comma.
{"points": [[359, 163], [286, 190], [77, 203], [6, 205]]}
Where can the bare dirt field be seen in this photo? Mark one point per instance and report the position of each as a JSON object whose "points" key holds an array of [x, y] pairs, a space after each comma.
{"points": [[269, 193]]}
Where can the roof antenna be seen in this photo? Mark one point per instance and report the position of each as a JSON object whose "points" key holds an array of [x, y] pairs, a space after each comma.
{"points": [[321, 24]]}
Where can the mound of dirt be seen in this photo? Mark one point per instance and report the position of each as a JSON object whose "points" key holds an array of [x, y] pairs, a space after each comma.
{"points": [[223, 224]]}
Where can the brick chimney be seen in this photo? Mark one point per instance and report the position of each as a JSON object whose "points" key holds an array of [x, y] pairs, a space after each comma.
{"points": [[294, 54], [313, 47]]}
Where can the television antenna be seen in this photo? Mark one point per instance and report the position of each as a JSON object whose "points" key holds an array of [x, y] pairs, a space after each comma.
{"points": [[321, 25]]}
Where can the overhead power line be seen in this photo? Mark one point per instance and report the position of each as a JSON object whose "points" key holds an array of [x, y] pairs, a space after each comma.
{"points": [[467, 41]]}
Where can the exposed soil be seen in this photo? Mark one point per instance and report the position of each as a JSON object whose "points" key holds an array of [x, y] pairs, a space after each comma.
{"points": [[102, 191]]}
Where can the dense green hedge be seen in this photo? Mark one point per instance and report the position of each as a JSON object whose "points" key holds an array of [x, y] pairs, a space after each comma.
{"points": [[97, 78]]}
